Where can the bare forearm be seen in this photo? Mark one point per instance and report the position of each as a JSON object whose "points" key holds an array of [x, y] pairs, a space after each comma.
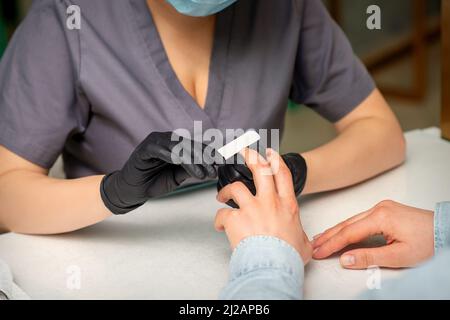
{"points": [[363, 150], [33, 203]]}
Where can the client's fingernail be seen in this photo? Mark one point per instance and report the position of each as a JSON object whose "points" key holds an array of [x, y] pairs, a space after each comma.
{"points": [[315, 250], [348, 260], [269, 152]]}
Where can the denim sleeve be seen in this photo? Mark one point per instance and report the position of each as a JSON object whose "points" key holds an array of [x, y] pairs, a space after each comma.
{"points": [[429, 281], [441, 226], [264, 268]]}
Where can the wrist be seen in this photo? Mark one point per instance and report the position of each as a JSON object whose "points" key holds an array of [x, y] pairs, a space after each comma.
{"points": [[111, 197], [299, 170]]}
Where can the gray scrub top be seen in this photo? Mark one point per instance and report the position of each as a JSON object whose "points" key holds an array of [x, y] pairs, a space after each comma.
{"points": [[94, 94]]}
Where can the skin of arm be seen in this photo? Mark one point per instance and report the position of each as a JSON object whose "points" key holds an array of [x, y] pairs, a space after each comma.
{"points": [[370, 141], [33, 203]]}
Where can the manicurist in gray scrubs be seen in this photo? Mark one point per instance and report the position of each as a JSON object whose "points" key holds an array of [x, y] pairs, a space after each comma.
{"points": [[106, 95]]}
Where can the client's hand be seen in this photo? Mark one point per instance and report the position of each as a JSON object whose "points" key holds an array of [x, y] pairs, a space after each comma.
{"points": [[273, 211], [408, 232]]}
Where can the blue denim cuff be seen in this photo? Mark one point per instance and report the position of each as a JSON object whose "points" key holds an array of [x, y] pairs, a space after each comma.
{"points": [[265, 252], [441, 226]]}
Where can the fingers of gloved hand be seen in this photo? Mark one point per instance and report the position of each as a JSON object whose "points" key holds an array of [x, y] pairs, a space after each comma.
{"points": [[197, 153], [236, 172], [229, 174], [211, 171], [165, 154], [195, 170], [152, 150], [233, 173], [180, 175], [237, 192], [243, 172], [163, 183], [183, 152], [211, 156], [232, 204], [148, 148]]}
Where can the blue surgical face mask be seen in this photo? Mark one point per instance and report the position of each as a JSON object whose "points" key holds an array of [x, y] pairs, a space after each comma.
{"points": [[200, 8]]}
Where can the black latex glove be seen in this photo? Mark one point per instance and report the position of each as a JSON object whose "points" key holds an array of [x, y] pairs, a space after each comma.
{"points": [[150, 171], [240, 172]]}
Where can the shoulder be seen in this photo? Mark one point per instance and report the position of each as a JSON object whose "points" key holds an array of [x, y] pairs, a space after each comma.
{"points": [[50, 17], [40, 7], [48, 12], [295, 9], [268, 11], [309, 7]]}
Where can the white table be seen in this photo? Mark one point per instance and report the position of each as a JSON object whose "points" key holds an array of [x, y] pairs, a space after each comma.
{"points": [[169, 249]]}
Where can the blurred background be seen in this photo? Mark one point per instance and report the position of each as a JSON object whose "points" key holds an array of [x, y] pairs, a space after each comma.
{"points": [[403, 57]]}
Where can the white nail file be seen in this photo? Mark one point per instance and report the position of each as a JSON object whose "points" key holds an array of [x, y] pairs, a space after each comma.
{"points": [[242, 142]]}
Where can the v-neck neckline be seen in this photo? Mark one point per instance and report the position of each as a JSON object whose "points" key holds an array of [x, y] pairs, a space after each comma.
{"points": [[217, 65]]}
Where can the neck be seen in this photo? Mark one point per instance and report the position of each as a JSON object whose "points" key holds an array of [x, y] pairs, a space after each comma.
{"points": [[164, 11]]}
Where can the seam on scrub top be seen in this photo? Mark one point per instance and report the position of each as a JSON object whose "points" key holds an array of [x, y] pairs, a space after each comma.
{"points": [[22, 148], [224, 114]]}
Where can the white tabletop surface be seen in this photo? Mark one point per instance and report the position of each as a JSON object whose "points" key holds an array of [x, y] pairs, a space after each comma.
{"points": [[168, 249]]}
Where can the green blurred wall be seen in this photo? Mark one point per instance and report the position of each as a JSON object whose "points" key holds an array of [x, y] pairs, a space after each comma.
{"points": [[11, 13], [3, 37]]}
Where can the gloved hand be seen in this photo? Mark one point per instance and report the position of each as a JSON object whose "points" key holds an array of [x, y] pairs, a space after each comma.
{"points": [[156, 168], [231, 173]]}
